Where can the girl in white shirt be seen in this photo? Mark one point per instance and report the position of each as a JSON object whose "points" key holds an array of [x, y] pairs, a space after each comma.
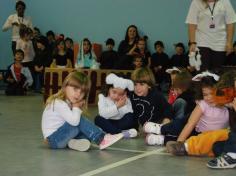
{"points": [[25, 44], [115, 109], [62, 122]]}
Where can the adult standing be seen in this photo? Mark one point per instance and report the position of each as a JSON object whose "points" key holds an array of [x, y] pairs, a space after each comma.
{"points": [[126, 49], [211, 29], [17, 21]]}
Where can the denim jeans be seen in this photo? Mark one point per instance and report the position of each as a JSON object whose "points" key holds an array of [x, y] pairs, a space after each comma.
{"points": [[85, 129], [225, 146], [38, 79]]}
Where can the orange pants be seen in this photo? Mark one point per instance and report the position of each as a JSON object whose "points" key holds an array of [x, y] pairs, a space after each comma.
{"points": [[201, 145]]}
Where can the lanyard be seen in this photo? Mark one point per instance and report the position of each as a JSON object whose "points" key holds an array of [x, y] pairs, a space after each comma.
{"points": [[212, 10], [21, 20]]}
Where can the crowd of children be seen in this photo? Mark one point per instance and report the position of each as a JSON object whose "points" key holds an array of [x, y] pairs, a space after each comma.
{"points": [[193, 121], [195, 124], [58, 51]]}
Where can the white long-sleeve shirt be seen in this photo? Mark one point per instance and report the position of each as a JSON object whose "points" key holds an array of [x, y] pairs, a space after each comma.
{"points": [[15, 29], [28, 48], [108, 109], [56, 114]]}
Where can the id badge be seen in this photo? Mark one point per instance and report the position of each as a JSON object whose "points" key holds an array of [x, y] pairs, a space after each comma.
{"points": [[212, 26]]}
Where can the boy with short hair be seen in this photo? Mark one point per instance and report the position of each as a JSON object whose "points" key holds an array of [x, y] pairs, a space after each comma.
{"points": [[18, 77], [108, 57]]}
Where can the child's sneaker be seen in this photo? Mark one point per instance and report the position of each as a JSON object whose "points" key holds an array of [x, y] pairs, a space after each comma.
{"points": [[176, 148], [79, 144], [150, 127], [131, 133], [109, 139], [153, 139], [222, 162]]}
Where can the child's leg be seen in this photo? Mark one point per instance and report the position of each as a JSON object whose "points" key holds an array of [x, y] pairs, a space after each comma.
{"points": [[226, 146], [90, 130], [203, 143], [218, 148], [61, 137], [173, 128], [107, 125], [127, 122], [227, 152]]}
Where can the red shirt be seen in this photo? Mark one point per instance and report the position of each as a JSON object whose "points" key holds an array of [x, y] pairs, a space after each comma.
{"points": [[17, 71]]}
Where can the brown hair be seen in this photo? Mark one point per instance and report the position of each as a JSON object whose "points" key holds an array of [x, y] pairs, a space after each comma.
{"points": [[143, 75], [182, 80]]}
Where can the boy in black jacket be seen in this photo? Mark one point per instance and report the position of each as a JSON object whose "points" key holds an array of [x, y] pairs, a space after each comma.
{"points": [[148, 103]]}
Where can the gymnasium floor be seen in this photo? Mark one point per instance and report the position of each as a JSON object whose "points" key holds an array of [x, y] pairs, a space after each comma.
{"points": [[23, 153]]}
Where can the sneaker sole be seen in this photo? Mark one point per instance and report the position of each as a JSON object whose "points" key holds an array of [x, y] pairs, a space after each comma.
{"points": [[81, 145], [119, 136], [232, 166]]}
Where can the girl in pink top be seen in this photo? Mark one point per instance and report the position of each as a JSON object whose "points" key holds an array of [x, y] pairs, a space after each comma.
{"points": [[206, 116]]}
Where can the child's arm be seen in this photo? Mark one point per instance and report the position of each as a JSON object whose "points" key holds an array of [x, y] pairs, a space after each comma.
{"points": [[192, 122], [68, 63], [234, 104], [29, 79], [70, 114]]}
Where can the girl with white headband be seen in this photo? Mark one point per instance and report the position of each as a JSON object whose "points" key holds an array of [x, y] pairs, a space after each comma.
{"points": [[205, 117], [115, 109]]}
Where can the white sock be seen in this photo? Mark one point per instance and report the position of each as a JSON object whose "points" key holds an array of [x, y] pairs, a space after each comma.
{"points": [[186, 147], [232, 155]]}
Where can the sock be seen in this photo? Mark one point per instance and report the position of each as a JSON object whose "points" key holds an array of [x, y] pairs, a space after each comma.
{"points": [[186, 147]]}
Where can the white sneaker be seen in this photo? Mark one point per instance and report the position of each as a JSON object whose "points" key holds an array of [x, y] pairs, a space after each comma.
{"points": [[150, 127], [79, 144], [153, 139], [109, 139], [130, 133]]}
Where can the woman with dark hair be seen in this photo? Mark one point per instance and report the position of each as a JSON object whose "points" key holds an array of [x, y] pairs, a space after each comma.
{"points": [[211, 29], [127, 47], [17, 21]]}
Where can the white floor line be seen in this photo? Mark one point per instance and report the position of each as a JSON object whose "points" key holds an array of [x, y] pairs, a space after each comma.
{"points": [[127, 150], [122, 162]]}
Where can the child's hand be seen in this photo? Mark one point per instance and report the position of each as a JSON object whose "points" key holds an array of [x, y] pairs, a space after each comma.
{"points": [[121, 102], [80, 104]]}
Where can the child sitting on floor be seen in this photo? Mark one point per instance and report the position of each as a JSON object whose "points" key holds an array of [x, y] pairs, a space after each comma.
{"points": [[159, 134], [206, 117], [63, 123], [17, 76], [115, 109]]}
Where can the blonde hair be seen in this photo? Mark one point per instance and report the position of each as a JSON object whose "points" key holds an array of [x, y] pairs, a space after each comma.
{"points": [[77, 79], [143, 75]]}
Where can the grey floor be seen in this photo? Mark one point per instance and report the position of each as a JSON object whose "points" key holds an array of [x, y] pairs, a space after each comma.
{"points": [[22, 152]]}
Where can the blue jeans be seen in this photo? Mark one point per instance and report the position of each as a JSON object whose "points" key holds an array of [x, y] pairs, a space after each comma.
{"points": [[85, 130], [38, 78], [225, 146]]}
